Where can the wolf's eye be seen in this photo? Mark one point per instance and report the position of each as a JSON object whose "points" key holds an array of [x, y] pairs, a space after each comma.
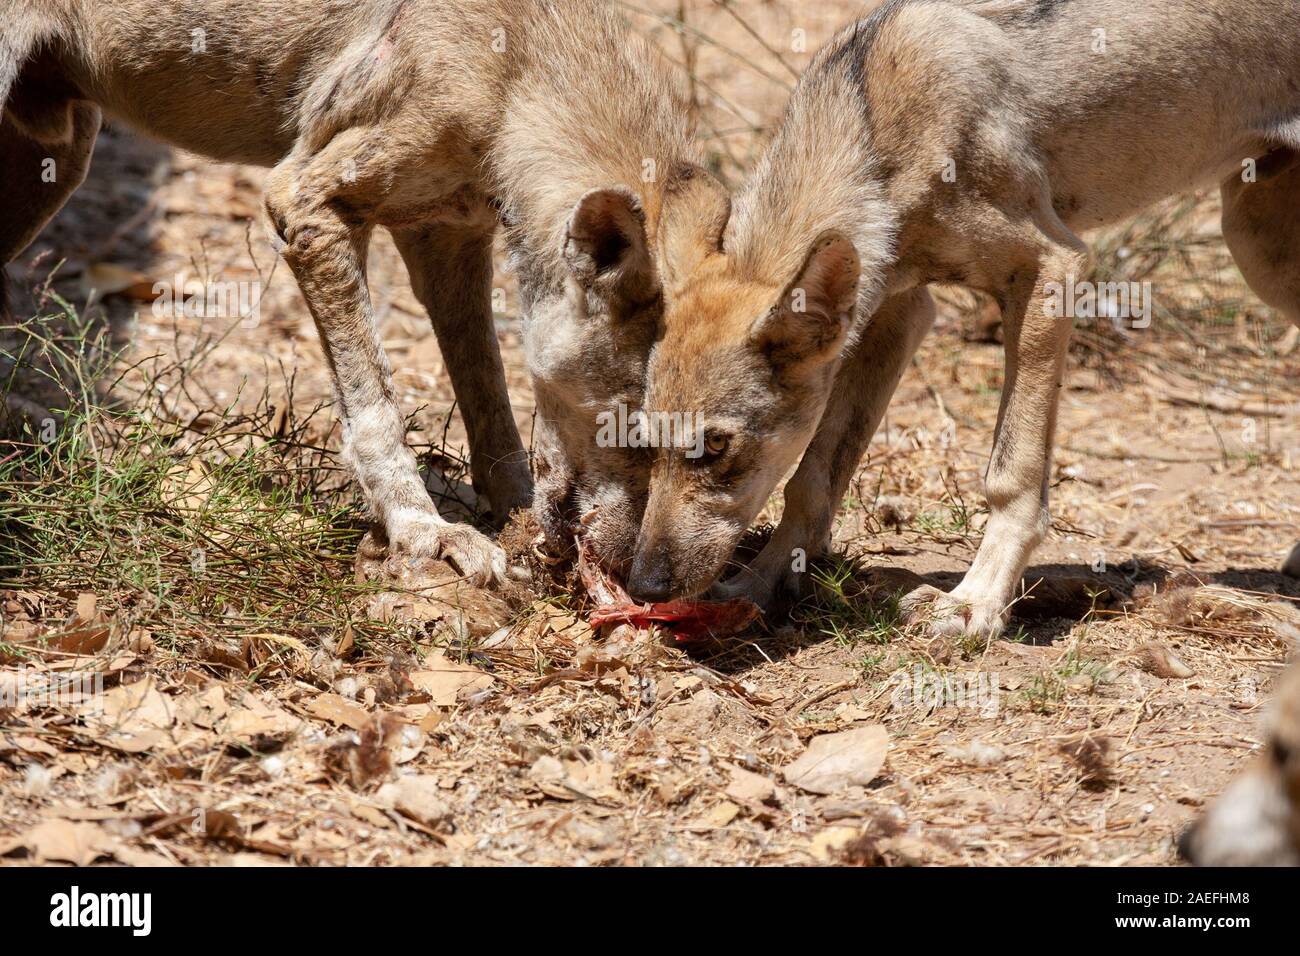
{"points": [[716, 444]]}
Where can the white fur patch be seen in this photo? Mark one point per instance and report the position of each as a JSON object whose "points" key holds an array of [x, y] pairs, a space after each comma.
{"points": [[1247, 825]]}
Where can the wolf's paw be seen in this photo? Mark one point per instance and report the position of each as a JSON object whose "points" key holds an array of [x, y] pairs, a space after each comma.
{"points": [[764, 590], [944, 614], [470, 553], [746, 587]]}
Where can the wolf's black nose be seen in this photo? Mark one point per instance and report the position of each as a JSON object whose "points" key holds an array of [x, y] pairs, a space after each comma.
{"points": [[651, 580]]}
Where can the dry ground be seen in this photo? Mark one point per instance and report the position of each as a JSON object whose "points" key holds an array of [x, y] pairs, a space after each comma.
{"points": [[188, 538]]}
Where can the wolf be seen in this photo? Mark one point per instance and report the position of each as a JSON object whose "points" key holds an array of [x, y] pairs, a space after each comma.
{"points": [[1256, 821], [440, 121], [950, 141]]}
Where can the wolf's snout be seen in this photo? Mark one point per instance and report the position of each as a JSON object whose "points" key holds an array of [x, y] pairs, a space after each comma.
{"points": [[651, 579]]}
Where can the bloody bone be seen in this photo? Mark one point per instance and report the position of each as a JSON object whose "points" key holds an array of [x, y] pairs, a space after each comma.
{"points": [[688, 620]]}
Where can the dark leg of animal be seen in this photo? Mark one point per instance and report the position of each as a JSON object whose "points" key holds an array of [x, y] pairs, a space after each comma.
{"points": [[36, 179], [1262, 229], [451, 274]]}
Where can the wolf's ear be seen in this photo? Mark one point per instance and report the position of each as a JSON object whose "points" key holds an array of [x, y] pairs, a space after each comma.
{"points": [[694, 215], [813, 314], [606, 247]]}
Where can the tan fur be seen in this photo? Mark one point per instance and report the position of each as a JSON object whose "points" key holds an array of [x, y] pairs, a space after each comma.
{"points": [[433, 119], [1046, 136]]}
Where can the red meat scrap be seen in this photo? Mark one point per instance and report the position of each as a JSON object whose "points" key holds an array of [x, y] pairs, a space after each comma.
{"points": [[687, 620]]}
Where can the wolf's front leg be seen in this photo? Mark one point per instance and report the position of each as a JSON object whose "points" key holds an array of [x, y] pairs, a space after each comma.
{"points": [[863, 387], [1037, 336], [326, 252]]}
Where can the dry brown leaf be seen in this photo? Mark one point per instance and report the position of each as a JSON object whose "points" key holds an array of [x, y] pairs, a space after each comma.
{"points": [[418, 797], [338, 710], [250, 860], [144, 741], [86, 632], [850, 713], [131, 856], [429, 592], [137, 706], [86, 603], [140, 641], [833, 762], [187, 486], [444, 680], [64, 841], [267, 649], [749, 787], [109, 278], [691, 719], [574, 779], [368, 755], [34, 745], [207, 709], [133, 718], [74, 812], [347, 643], [828, 843], [372, 815], [424, 717], [1162, 662], [251, 717], [593, 779], [722, 814]]}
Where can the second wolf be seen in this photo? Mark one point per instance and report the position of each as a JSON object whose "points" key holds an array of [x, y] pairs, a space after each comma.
{"points": [[955, 142]]}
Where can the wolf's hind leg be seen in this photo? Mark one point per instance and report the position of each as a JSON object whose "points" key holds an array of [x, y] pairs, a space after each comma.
{"points": [[1261, 226], [36, 180]]}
